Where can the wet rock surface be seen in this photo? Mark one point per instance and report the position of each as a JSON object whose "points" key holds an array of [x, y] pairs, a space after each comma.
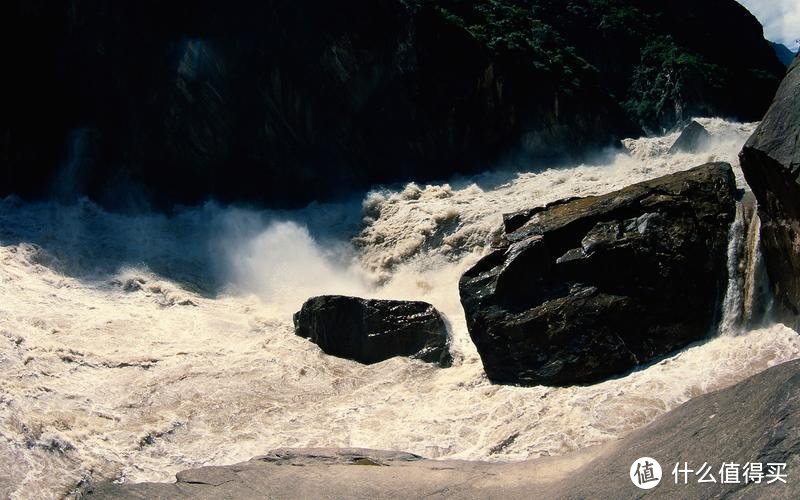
{"points": [[771, 161], [757, 420], [584, 289], [370, 331], [694, 138]]}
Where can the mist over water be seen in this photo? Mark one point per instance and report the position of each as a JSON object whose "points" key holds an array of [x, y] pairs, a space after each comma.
{"points": [[135, 346], [284, 265]]}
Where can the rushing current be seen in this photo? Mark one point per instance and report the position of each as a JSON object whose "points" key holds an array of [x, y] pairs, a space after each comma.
{"points": [[135, 346]]}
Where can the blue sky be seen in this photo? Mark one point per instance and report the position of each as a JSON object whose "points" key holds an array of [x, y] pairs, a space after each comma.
{"points": [[781, 19]]}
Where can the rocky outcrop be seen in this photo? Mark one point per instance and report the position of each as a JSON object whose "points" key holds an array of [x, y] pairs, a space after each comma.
{"points": [[694, 138], [587, 288], [370, 331], [755, 421], [771, 162]]}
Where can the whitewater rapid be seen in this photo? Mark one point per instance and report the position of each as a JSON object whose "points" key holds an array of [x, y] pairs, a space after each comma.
{"points": [[135, 346]]}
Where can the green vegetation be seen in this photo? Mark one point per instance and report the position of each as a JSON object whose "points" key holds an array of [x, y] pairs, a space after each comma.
{"points": [[512, 29], [662, 61], [668, 76]]}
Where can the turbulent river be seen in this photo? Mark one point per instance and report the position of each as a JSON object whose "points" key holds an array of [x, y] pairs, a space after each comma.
{"points": [[132, 347]]}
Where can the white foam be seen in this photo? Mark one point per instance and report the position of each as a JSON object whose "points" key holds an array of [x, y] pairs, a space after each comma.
{"points": [[132, 347]]}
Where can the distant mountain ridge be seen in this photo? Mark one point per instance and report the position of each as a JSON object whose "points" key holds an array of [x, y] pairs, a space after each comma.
{"points": [[784, 53]]}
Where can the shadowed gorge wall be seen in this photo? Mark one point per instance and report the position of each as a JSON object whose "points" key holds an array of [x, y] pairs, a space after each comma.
{"points": [[284, 102]]}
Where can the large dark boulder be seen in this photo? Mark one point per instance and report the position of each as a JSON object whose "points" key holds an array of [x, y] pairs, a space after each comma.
{"points": [[370, 331], [771, 162], [584, 289], [693, 138]]}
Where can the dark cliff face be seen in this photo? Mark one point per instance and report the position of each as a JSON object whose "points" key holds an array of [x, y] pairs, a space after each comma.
{"points": [[277, 101], [771, 162], [284, 102]]}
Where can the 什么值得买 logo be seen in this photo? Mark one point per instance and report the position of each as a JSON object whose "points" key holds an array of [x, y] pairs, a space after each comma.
{"points": [[645, 473]]}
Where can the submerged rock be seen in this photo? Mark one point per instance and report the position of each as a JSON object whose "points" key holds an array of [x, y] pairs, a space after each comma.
{"points": [[771, 161], [588, 288], [755, 421], [370, 331], [694, 138]]}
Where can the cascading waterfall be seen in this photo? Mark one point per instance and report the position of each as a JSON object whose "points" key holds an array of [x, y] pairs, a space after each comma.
{"points": [[746, 302], [732, 303], [757, 297]]}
